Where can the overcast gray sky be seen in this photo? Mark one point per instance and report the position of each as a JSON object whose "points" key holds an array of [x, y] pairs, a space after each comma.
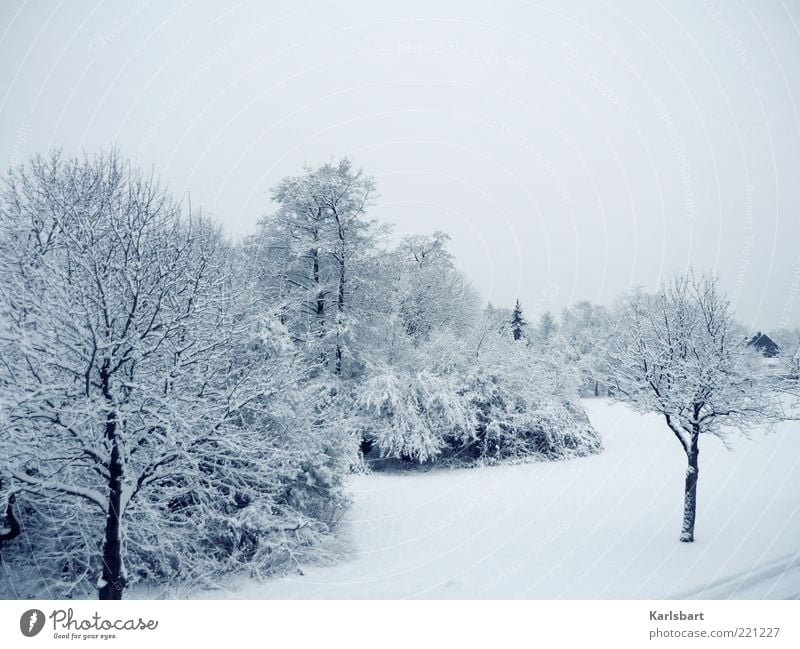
{"points": [[571, 149]]}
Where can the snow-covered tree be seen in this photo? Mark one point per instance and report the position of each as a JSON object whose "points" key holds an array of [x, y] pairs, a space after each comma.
{"points": [[140, 389], [680, 354], [428, 292], [788, 340], [313, 250], [788, 360], [547, 326], [585, 330], [408, 398], [517, 322]]}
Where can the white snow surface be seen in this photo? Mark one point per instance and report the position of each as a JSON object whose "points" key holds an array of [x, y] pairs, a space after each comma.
{"points": [[605, 526]]}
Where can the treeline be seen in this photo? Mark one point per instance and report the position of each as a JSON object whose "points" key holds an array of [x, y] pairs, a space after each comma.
{"points": [[177, 407]]}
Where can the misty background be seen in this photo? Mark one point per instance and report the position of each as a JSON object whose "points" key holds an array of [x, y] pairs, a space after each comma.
{"points": [[571, 149]]}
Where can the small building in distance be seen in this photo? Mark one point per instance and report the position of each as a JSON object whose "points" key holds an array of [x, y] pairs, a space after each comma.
{"points": [[764, 344]]}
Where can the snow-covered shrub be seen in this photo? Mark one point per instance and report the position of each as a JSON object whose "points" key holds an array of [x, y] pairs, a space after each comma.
{"points": [[525, 401], [514, 423], [447, 404], [410, 415], [258, 509], [55, 555]]}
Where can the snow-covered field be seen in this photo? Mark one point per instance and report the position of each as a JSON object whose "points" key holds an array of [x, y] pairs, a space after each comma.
{"points": [[600, 527]]}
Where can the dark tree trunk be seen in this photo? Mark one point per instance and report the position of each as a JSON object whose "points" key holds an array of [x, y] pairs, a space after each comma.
{"points": [[340, 311], [14, 528], [113, 582], [320, 306], [597, 388], [690, 494]]}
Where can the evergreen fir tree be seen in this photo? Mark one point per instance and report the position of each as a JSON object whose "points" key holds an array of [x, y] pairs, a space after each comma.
{"points": [[517, 321]]}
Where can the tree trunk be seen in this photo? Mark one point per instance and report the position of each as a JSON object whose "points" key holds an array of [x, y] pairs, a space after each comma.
{"points": [[14, 528], [597, 388], [339, 315], [113, 581], [690, 495], [320, 306]]}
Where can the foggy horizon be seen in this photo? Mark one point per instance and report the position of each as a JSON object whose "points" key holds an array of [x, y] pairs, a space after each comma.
{"points": [[569, 151]]}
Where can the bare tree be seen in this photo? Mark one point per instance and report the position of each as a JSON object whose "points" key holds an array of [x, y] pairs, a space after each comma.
{"points": [[679, 353]]}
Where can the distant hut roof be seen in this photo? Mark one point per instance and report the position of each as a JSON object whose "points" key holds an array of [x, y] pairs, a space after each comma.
{"points": [[763, 343]]}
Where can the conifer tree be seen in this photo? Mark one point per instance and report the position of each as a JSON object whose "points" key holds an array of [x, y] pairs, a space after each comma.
{"points": [[517, 321]]}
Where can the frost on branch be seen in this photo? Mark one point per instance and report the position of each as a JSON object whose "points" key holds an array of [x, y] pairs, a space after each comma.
{"points": [[178, 408], [510, 402], [679, 353], [150, 425]]}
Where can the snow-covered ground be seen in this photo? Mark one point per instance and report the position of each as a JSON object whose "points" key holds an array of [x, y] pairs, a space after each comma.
{"points": [[599, 527]]}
